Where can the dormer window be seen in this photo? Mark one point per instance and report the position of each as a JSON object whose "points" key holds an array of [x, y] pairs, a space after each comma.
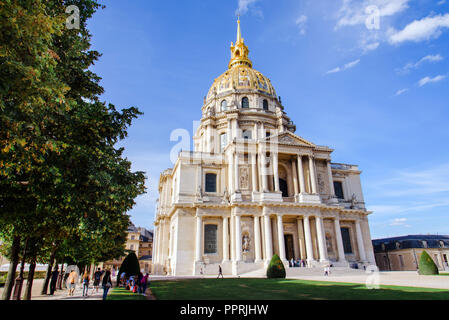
{"points": [[247, 134], [245, 103], [265, 104]]}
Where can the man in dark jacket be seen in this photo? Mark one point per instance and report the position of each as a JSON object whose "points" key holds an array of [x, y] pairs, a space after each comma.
{"points": [[54, 280]]}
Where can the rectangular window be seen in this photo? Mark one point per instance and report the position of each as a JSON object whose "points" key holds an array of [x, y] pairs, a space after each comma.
{"points": [[346, 240], [210, 238], [223, 141], [211, 182], [338, 187]]}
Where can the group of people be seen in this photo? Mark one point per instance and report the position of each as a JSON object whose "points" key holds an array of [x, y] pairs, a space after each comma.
{"points": [[297, 263], [102, 277], [135, 283]]}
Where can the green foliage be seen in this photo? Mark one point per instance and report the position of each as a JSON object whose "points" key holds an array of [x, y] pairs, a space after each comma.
{"points": [[62, 177], [130, 265], [426, 265], [276, 268]]}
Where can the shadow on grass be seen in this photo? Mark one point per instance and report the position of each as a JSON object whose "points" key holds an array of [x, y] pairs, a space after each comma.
{"points": [[285, 289]]}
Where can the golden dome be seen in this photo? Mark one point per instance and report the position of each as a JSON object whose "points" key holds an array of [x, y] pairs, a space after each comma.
{"points": [[241, 75]]}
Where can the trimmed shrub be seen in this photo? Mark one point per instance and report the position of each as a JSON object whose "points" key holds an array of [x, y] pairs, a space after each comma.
{"points": [[426, 265], [276, 268], [130, 265]]}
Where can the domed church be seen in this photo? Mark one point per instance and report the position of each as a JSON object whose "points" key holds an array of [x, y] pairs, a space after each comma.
{"points": [[253, 188]]}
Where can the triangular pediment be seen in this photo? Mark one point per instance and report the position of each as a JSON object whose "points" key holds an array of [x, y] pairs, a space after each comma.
{"points": [[289, 138]]}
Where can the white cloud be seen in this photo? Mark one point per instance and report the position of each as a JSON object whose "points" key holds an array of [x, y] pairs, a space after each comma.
{"points": [[245, 5], [349, 65], [301, 23], [399, 222], [353, 12], [427, 80], [429, 58], [420, 30], [399, 92], [441, 2], [371, 46]]}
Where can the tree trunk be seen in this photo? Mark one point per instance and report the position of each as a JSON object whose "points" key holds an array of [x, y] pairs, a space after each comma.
{"points": [[30, 279], [48, 275], [15, 248], [19, 281]]}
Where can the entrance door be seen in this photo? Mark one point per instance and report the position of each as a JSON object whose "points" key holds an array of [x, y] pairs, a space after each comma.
{"points": [[289, 248]]}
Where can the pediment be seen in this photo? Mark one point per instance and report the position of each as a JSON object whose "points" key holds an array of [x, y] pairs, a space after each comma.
{"points": [[291, 139]]}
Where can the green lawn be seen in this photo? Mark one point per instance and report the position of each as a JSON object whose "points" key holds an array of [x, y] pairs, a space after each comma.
{"points": [[283, 289], [123, 294]]}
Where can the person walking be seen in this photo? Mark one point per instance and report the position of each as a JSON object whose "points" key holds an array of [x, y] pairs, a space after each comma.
{"points": [[144, 282], [72, 281], [86, 279], [220, 272], [97, 278], [106, 283], [54, 280]]}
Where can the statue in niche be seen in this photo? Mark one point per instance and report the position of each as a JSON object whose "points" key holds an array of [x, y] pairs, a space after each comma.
{"points": [[226, 198], [244, 179], [353, 201], [246, 241]]}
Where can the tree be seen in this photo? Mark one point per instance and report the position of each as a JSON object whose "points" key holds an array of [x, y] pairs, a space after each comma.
{"points": [[61, 176], [130, 265], [426, 265], [275, 268]]}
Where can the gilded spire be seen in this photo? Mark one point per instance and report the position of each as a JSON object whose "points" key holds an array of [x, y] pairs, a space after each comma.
{"points": [[239, 51]]}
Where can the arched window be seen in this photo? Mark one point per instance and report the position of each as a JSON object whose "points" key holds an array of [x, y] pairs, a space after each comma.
{"points": [[224, 105], [247, 134], [245, 102], [265, 104]]}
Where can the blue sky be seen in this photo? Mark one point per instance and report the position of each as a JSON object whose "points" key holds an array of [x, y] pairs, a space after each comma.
{"points": [[376, 93]]}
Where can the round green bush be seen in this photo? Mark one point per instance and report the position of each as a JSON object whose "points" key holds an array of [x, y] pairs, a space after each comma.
{"points": [[275, 268], [426, 265], [130, 265]]}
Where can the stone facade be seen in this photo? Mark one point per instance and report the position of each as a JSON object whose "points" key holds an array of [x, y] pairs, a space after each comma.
{"points": [[252, 188]]}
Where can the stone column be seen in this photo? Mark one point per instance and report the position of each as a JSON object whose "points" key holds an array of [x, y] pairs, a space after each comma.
{"points": [[262, 131], [301, 243], [230, 174], [254, 171], [238, 239], [302, 184], [198, 237], [229, 131], [236, 172], [309, 247], [360, 241], [257, 242], [331, 180], [232, 237], [281, 238], [256, 133], [268, 237], [321, 239], [312, 174], [295, 178], [340, 248], [236, 129], [263, 171], [208, 138], [275, 171], [225, 239], [155, 243]]}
